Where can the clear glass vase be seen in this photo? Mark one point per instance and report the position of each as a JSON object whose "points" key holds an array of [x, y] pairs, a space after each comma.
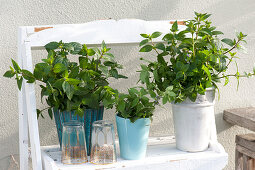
{"points": [[103, 150], [73, 143]]}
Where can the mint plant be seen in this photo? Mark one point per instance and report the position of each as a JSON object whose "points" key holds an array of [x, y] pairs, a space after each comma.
{"points": [[135, 105], [189, 61], [71, 86]]}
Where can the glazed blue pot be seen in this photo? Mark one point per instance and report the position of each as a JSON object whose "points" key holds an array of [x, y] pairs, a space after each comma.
{"points": [[90, 115], [133, 137]]}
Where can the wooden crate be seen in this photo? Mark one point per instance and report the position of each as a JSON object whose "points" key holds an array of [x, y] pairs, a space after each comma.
{"points": [[245, 152]]}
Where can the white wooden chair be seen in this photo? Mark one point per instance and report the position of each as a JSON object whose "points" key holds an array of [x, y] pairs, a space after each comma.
{"points": [[122, 32]]}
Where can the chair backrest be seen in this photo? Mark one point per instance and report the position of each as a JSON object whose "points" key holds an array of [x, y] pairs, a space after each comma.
{"points": [[121, 32]]}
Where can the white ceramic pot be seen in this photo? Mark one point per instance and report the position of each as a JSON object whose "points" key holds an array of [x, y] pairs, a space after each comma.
{"points": [[193, 122]]}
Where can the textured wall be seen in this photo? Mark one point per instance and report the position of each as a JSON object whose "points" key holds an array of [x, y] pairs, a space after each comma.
{"points": [[228, 15]]}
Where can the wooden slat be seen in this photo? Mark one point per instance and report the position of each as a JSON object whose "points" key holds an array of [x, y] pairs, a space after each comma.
{"points": [[247, 141], [121, 32], [238, 160], [245, 162], [244, 117], [245, 151]]}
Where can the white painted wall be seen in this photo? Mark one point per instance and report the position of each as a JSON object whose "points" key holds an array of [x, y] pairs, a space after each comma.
{"points": [[228, 15]]}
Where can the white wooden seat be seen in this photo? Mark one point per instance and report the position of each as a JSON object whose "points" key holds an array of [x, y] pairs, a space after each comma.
{"points": [[122, 32]]}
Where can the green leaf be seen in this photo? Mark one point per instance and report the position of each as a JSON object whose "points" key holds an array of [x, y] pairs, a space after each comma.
{"points": [[226, 80], [68, 89], [51, 46], [143, 42], [9, 74], [109, 63], [27, 74], [50, 113], [174, 27], [228, 41], [206, 16], [114, 73], [165, 99], [121, 106], [73, 81], [134, 102], [217, 32], [160, 46], [68, 47], [179, 75], [145, 35], [168, 37], [146, 48], [76, 47], [110, 55], [91, 52], [15, 65], [152, 94], [207, 72], [19, 82], [144, 76], [122, 76], [103, 46], [59, 67], [155, 34]]}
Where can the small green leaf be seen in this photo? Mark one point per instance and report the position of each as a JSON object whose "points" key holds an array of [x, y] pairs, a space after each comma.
{"points": [[51, 46], [19, 82], [91, 52], [146, 48], [15, 65], [165, 99], [145, 35], [228, 41], [134, 102], [152, 94], [226, 80], [143, 42], [114, 73], [73, 81], [50, 113], [27, 75], [155, 34], [59, 67], [207, 72], [217, 32], [160, 46], [174, 27], [9, 74], [121, 106]]}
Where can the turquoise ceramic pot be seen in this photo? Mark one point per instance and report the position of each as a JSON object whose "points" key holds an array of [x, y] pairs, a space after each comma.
{"points": [[133, 137]]}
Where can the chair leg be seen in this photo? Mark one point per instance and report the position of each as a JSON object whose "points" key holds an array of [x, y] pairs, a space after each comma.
{"points": [[238, 160]]}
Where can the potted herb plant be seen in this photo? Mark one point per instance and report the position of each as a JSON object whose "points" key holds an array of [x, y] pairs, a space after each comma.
{"points": [[134, 114], [73, 90], [188, 66]]}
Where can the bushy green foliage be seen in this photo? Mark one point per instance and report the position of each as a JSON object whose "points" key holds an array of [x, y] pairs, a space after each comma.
{"points": [[135, 105], [69, 85], [189, 61]]}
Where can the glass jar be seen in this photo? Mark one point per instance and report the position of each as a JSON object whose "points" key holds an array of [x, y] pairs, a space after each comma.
{"points": [[73, 143], [103, 150]]}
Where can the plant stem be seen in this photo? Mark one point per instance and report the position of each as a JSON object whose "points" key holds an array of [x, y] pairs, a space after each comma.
{"points": [[233, 47]]}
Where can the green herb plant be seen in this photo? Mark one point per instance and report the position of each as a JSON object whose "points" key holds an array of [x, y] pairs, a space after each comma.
{"points": [[189, 61], [135, 105], [72, 86]]}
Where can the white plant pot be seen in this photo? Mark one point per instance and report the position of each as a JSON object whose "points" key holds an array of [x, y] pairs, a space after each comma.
{"points": [[193, 122]]}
